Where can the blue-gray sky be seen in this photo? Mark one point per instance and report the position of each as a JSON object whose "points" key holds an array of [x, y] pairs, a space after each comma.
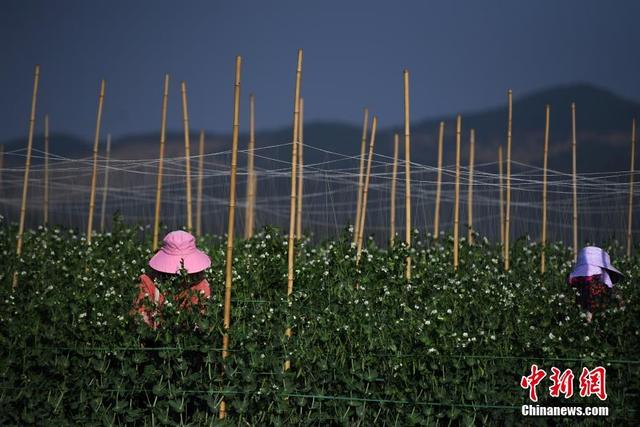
{"points": [[462, 55]]}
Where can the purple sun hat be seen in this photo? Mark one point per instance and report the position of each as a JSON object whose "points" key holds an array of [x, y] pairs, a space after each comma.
{"points": [[592, 260], [179, 246]]}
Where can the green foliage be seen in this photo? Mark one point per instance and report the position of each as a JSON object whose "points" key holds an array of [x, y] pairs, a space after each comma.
{"points": [[367, 347]]}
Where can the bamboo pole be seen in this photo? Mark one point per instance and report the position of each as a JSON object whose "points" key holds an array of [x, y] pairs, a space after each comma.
{"points": [[543, 267], [105, 189], [45, 207], [300, 172], [199, 189], [187, 153], [396, 141], [94, 175], [27, 166], [507, 219], [251, 190], [292, 207], [363, 147], [1, 163], [472, 150], [456, 209], [407, 170], [365, 192], [436, 215], [575, 182], [163, 130], [231, 223], [631, 170], [501, 198]]}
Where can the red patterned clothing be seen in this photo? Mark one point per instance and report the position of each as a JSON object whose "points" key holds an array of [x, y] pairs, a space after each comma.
{"points": [[592, 294]]}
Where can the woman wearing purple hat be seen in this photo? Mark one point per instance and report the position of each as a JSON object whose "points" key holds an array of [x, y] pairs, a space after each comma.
{"points": [[178, 251], [593, 277]]}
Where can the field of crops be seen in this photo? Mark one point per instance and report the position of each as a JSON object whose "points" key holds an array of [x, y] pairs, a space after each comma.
{"points": [[367, 348]]}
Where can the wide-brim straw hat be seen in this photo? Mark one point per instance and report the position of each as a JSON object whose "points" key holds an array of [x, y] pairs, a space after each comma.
{"points": [[593, 260], [179, 247]]}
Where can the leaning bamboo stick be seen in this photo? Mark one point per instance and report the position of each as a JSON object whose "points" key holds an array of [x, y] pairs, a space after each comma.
{"points": [[45, 206], [292, 207], [249, 209], [363, 147], [187, 153], [300, 172], [507, 219], [407, 170], [472, 150], [94, 176], [163, 130], [396, 141], [199, 189], [631, 170], [231, 222], [436, 215], [543, 242], [365, 192], [575, 181], [105, 189], [1, 163], [27, 166], [456, 208], [501, 198]]}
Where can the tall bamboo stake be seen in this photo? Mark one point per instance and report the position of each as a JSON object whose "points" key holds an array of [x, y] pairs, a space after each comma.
{"points": [[1, 163], [363, 147], [365, 192], [575, 181], [396, 141], [251, 190], [27, 166], [232, 206], [436, 215], [407, 170], [631, 170], [456, 209], [300, 172], [187, 153], [94, 176], [543, 267], [507, 219], [472, 150], [501, 198], [105, 189], [45, 207], [292, 207], [163, 130], [199, 189]]}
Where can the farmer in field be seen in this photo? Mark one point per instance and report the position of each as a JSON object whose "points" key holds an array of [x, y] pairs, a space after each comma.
{"points": [[593, 278], [178, 261]]}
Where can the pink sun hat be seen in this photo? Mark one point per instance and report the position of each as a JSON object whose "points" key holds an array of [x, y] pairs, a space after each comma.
{"points": [[179, 246]]}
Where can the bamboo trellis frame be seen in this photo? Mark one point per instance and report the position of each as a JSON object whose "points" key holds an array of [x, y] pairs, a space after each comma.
{"points": [[407, 170], [631, 170], [187, 154], [232, 205], [365, 192], [94, 175], [456, 209], [199, 188], [543, 241], [45, 203], [574, 180], [105, 188], [251, 184], [292, 207], [163, 136], [25, 182], [501, 197], [436, 214], [363, 147], [472, 145], [394, 176], [300, 172], [507, 219]]}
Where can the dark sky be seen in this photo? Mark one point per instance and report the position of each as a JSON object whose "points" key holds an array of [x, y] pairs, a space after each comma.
{"points": [[463, 55]]}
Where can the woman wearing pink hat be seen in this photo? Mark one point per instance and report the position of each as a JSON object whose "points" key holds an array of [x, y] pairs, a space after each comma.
{"points": [[593, 278], [178, 251]]}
